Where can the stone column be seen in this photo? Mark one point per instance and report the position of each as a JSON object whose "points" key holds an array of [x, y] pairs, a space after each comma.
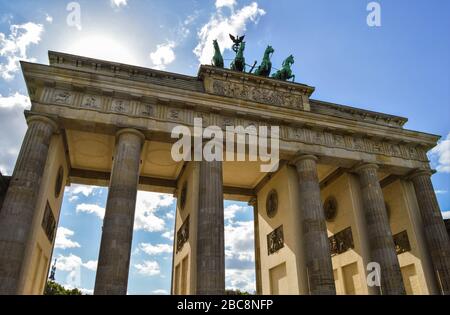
{"points": [[16, 215], [381, 243], [210, 230], [433, 224], [254, 203], [115, 247], [317, 247]]}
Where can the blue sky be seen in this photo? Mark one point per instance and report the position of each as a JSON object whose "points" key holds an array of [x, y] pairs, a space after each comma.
{"points": [[401, 68]]}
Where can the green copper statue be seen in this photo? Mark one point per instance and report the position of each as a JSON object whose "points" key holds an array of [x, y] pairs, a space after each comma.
{"points": [[285, 73], [217, 60], [266, 65], [238, 63]]}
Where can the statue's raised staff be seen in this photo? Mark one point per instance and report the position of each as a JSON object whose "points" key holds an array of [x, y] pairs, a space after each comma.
{"points": [[285, 73]]}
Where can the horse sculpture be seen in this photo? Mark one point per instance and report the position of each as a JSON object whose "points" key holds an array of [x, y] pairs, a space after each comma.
{"points": [[285, 73], [238, 63], [266, 65], [217, 60]]}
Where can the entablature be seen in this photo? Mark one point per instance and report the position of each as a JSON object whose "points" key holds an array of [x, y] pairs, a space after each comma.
{"points": [[55, 89]]}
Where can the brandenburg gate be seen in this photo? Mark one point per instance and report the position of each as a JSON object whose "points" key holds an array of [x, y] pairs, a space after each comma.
{"points": [[353, 188]]}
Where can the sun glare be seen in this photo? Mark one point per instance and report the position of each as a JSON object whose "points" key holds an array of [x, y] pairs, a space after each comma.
{"points": [[105, 47]]}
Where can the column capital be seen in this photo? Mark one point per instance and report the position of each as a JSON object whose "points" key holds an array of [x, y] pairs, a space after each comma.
{"points": [[419, 172], [132, 131], [364, 165], [43, 119], [253, 202], [303, 157]]}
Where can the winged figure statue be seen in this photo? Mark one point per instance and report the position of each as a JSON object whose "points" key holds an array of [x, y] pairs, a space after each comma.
{"points": [[237, 42]]}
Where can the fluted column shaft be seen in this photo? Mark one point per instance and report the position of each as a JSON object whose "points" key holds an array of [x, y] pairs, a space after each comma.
{"points": [[317, 247], [433, 224], [210, 230], [117, 236], [254, 203], [381, 243], [16, 215]]}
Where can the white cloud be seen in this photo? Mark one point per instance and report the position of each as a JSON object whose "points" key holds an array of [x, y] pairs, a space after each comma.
{"points": [[170, 215], [239, 243], [73, 198], [231, 210], [243, 280], [49, 18], [63, 240], [68, 263], [148, 268], [168, 235], [225, 3], [147, 204], [13, 47], [442, 153], [91, 265], [163, 55], [91, 208], [440, 192], [160, 292], [220, 26], [446, 215], [87, 291], [16, 100], [119, 3], [73, 262], [157, 249], [85, 190]]}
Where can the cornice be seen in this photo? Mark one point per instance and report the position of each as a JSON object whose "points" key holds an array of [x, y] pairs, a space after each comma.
{"points": [[73, 79]]}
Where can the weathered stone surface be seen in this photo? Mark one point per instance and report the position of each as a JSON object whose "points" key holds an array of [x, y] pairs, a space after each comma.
{"points": [[317, 247], [381, 243], [435, 230], [115, 248], [210, 230], [18, 209]]}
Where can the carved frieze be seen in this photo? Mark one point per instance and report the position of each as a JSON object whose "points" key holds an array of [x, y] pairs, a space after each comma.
{"points": [[356, 143], [91, 101], [257, 94], [175, 114], [49, 223], [305, 134], [401, 242], [63, 97], [120, 106], [147, 110], [275, 240], [183, 234], [341, 242]]}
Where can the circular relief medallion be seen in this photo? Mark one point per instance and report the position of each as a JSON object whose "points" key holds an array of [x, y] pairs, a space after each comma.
{"points": [[272, 203], [59, 181], [183, 196], [330, 208]]}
